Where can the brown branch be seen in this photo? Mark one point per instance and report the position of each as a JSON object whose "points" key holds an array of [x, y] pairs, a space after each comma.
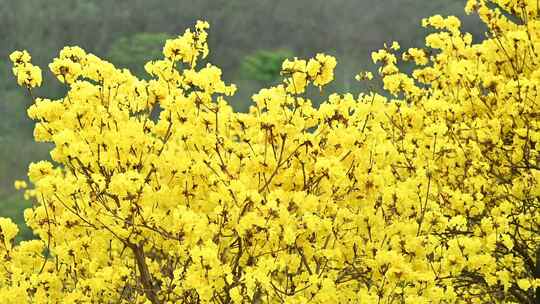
{"points": [[146, 277]]}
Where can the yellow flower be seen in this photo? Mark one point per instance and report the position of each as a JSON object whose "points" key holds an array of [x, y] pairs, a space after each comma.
{"points": [[326, 74], [27, 74], [8, 231], [20, 57], [313, 68], [20, 184], [524, 284], [364, 75], [65, 70]]}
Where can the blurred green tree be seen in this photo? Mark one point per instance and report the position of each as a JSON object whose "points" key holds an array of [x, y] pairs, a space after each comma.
{"points": [[264, 65], [134, 51]]}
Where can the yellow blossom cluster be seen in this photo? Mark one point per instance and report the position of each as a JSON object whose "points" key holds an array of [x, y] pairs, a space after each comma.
{"points": [[27, 74], [299, 73], [430, 196], [188, 47]]}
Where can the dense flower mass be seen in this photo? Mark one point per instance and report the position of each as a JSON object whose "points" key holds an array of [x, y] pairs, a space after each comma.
{"points": [[431, 195]]}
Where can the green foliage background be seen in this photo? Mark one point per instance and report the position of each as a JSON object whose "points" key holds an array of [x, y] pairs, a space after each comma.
{"points": [[130, 51], [264, 65]]}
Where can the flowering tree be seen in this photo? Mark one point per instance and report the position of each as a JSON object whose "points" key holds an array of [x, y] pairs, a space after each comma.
{"points": [[431, 196]]}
